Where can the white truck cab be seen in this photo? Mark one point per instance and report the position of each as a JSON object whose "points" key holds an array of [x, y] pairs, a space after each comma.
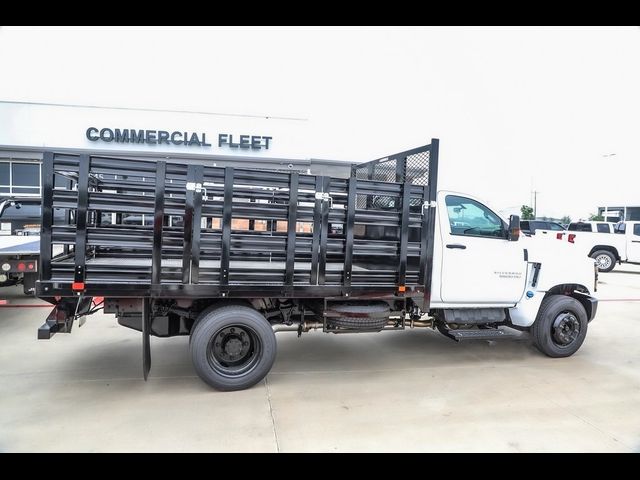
{"points": [[482, 270]]}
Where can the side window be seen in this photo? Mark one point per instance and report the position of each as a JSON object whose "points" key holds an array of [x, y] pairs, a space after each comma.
{"points": [[636, 229], [535, 225], [580, 227], [555, 226], [620, 228], [468, 217], [603, 228]]}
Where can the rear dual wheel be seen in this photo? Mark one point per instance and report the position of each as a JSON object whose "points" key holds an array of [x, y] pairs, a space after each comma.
{"points": [[232, 347]]}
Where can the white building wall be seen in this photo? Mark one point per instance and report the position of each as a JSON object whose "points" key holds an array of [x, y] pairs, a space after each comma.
{"points": [[45, 126]]}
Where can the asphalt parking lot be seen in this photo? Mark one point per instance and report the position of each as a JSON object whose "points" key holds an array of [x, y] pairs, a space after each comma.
{"points": [[400, 391]]}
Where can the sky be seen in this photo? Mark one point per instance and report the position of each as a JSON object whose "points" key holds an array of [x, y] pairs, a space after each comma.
{"points": [[556, 110]]}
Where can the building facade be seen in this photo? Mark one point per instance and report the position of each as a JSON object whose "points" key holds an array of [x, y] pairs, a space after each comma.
{"points": [[27, 130]]}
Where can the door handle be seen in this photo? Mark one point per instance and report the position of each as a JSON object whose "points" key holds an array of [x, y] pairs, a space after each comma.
{"points": [[456, 245]]}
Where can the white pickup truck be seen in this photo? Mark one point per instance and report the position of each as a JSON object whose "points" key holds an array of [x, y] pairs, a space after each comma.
{"points": [[623, 246]]}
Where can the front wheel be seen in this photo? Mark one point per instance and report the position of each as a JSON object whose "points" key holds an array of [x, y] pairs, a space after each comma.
{"points": [[232, 347], [560, 327], [605, 260]]}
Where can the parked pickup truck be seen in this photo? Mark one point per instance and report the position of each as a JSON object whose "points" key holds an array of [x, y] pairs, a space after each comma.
{"points": [[607, 249], [19, 241], [379, 250]]}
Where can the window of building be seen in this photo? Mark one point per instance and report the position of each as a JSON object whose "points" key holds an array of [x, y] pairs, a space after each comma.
{"points": [[19, 178], [5, 177]]}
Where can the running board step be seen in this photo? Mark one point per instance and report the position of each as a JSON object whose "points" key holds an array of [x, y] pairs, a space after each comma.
{"points": [[484, 334]]}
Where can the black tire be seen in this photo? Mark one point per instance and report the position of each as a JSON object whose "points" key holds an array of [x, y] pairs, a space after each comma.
{"points": [[560, 327], [377, 315], [232, 347], [605, 260]]}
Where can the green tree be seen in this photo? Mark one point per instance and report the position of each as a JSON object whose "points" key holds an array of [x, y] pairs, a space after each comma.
{"points": [[565, 219], [527, 212], [596, 218]]}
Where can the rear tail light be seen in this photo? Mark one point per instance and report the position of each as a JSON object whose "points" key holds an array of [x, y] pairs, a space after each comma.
{"points": [[572, 237], [559, 236]]}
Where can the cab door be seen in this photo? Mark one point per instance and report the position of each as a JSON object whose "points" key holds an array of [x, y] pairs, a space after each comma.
{"points": [[479, 264], [633, 243]]}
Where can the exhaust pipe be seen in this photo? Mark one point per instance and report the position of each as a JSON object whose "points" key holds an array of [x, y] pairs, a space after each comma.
{"points": [[295, 327]]}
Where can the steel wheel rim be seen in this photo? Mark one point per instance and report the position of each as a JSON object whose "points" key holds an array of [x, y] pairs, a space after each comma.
{"points": [[234, 350], [565, 329], [603, 261]]}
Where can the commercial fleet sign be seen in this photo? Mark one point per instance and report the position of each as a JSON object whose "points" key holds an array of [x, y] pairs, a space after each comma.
{"points": [[38, 127], [160, 137]]}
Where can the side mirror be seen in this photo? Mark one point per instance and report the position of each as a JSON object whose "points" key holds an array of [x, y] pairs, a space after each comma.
{"points": [[513, 234]]}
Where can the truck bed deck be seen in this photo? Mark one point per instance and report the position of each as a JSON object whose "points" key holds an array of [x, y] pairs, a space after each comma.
{"points": [[18, 245]]}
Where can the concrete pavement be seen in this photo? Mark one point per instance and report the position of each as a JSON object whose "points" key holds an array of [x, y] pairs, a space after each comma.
{"points": [[392, 391]]}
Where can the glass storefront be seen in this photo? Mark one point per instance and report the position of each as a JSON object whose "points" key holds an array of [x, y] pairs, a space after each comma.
{"points": [[19, 177]]}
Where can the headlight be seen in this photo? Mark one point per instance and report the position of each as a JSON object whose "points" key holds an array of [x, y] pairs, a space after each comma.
{"points": [[6, 267]]}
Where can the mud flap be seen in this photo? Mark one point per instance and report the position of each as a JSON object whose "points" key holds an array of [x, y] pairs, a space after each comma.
{"points": [[146, 340]]}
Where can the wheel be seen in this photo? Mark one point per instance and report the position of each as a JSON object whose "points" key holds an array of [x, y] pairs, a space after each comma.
{"points": [[605, 260], [560, 327], [370, 316], [232, 347]]}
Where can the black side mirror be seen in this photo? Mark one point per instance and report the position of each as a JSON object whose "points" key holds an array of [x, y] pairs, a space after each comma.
{"points": [[513, 234]]}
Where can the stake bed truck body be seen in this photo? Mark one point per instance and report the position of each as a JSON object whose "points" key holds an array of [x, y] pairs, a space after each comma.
{"points": [[230, 256]]}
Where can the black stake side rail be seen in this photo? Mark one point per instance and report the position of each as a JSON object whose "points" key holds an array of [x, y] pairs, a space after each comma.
{"points": [[368, 235]]}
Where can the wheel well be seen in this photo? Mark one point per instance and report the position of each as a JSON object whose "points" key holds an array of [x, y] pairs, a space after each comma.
{"points": [[200, 307], [570, 289], [608, 248]]}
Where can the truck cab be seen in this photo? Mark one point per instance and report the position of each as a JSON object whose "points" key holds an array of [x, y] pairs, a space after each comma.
{"points": [[480, 263]]}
